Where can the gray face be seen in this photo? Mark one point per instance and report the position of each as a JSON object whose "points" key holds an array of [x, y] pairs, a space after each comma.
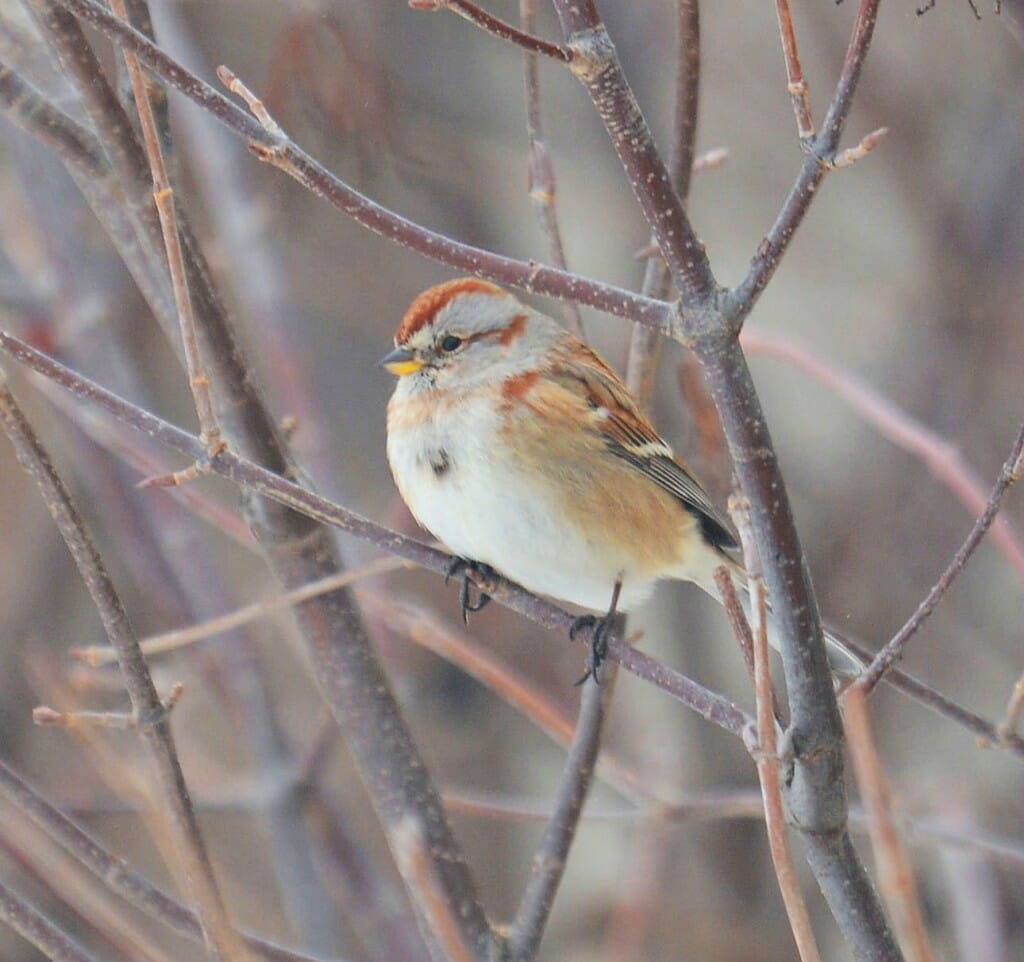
{"points": [[474, 340]]}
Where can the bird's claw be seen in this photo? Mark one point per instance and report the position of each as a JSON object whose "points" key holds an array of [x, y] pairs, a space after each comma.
{"points": [[461, 568], [600, 631]]}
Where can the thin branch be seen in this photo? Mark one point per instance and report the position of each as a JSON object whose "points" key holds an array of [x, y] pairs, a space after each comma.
{"points": [[163, 196], [895, 876], [549, 861], [821, 153], [496, 28], [893, 651], [765, 750], [36, 928], [114, 873], [1007, 728], [942, 458], [526, 275], [815, 795], [797, 86], [645, 344], [146, 705], [542, 186], [596, 65], [709, 705]]}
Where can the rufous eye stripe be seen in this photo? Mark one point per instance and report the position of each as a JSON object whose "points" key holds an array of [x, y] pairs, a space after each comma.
{"points": [[424, 309]]}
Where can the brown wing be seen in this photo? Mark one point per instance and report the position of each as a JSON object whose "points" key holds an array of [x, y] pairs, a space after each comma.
{"points": [[629, 435]]}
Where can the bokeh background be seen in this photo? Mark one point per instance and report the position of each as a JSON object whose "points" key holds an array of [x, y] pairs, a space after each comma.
{"points": [[907, 273]]}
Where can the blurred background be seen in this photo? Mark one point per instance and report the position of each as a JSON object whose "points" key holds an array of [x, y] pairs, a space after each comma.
{"points": [[906, 274]]}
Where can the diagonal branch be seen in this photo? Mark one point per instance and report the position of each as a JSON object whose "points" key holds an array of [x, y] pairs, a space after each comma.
{"points": [[149, 711], [526, 275], [709, 705], [893, 651]]}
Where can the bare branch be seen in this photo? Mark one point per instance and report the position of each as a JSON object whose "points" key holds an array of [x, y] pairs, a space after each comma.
{"points": [[765, 751], [36, 928], [821, 153], [893, 651], [794, 72], [895, 875], [114, 873], [147, 708], [550, 859], [497, 28], [542, 187], [526, 275]]}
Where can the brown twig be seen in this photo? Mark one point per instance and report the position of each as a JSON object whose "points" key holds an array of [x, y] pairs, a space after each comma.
{"points": [[796, 85], [497, 28], [163, 197], [893, 650], [645, 344], [1007, 728], [48, 717], [764, 749], [895, 876], [596, 65], [180, 637], [147, 708], [525, 275], [542, 186], [821, 153]]}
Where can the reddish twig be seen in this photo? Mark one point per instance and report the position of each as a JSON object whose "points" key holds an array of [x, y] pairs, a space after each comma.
{"points": [[54, 943], [497, 28], [942, 458], [764, 746], [796, 85], [542, 185], [895, 876]]}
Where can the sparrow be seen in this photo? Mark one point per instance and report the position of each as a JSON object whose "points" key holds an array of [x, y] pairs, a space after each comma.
{"points": [[517, 446]]}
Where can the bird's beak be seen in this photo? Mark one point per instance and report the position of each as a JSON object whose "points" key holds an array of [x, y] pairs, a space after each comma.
{"points": [[401, 362]]}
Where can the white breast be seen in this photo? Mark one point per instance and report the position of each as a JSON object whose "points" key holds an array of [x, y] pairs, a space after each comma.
{"points": [[464, 487]]}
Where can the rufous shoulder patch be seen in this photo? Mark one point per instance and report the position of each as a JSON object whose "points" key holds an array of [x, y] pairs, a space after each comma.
{"points": [[516, 387], [424, 309]]}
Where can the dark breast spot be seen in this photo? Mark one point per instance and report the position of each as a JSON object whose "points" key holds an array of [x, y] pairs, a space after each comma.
{"points": [[440, 463]]}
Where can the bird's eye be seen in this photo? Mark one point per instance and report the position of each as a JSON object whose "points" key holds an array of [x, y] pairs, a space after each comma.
{"points": [[451, 343]]}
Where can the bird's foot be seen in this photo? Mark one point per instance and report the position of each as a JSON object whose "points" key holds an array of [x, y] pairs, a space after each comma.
{"points": [[462, 569], [601, 629]]}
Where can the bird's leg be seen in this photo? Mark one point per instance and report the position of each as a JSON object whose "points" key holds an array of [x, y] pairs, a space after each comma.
{"points": [[461, 568], [601, 629]]}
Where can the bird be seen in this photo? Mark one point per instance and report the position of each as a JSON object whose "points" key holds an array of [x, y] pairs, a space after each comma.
{"points": [[520, 449]]}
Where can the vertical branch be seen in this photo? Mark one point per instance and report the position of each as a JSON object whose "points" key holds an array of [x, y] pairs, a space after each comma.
{"points": [[596, 65], [550, 860], [765, 751], [163, 197], [794, 71], [895, 875], [645, 344], [149, 713], [542, 171]]}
